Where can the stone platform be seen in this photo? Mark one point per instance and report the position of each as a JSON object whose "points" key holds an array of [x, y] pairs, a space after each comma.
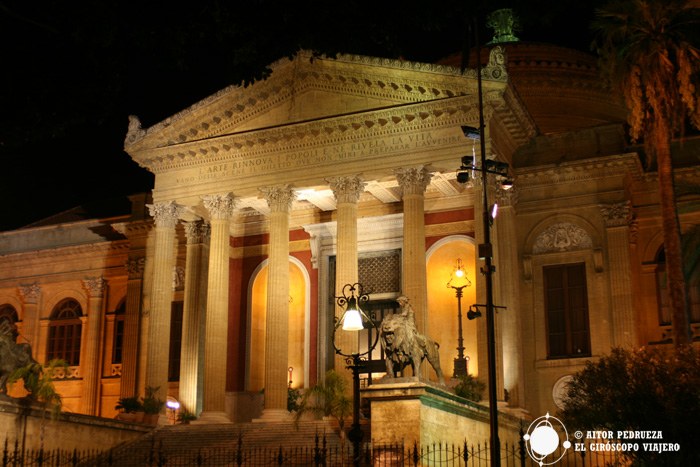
{"points": [[415, 410]]}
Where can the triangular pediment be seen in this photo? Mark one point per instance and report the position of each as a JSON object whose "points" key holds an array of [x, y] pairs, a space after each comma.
{"points": [[307, 89]]}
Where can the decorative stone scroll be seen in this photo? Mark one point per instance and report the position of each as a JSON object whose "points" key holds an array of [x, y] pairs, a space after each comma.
{"points": [[134, 267], [562, 237], [165, 215], [178, 278], [347, 189], [633, 226], [279, 198], [30, 293], [197, 232], [615, 215], [95, 288], [220, 206], [413, 180]]}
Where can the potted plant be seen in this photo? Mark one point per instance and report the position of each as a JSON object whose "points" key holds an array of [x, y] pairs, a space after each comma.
{"points": [[152, 405], [185, 417], [131, 409]]}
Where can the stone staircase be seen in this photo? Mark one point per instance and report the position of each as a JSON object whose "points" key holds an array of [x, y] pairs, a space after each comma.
{"points": [[185, 445]]}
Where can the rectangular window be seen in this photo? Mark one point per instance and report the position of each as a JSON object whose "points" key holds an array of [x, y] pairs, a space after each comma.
{"points": [[118, 339], [566, 309], [175, 341]]}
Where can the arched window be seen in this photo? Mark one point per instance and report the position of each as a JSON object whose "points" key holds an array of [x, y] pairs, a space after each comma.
{"points": [[693, 286], [8, 313], [64, 332], [118, 346]]}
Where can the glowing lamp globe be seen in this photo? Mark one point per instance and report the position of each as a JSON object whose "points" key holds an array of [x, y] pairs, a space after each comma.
{"points": [[352, 320]]}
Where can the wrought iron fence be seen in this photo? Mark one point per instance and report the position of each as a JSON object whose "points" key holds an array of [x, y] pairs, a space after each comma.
{"points": [[319, 455]]}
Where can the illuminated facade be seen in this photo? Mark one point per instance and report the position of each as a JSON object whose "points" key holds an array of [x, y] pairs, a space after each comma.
{"points": [[269, 197]]}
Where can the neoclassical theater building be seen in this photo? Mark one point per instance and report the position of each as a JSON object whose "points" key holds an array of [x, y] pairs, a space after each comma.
{"points": [[270, 197]]}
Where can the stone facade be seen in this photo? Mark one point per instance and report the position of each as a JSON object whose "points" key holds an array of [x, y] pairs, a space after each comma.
{"points": [[266, 195]]}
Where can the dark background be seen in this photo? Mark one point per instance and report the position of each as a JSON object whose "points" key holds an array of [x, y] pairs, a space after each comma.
{"points": [[72, 72]]}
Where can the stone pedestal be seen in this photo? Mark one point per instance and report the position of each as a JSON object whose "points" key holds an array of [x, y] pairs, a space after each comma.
{"points": [[413, 410]]}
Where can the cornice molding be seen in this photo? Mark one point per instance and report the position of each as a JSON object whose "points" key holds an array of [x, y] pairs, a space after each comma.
{"points": [[331, 131], [578, 171], [378, 77], [120, 247]]}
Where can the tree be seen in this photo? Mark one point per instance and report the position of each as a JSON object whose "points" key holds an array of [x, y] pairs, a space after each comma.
{"points": [[38, 381], [647, 55], [328, 398], [640, 390]]}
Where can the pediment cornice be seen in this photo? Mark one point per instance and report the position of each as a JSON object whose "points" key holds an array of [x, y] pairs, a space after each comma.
{"points": [[390, 80], [332, 131]]}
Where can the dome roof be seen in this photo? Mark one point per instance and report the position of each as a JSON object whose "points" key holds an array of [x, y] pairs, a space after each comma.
{"points": [[560, 87]]}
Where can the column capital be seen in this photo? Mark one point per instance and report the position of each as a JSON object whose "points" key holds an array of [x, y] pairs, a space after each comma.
{"points": [[279, 198], [507, 197], [346, 189], [30, 293], [413, 180], [615, 215], [134, 267], [165, 215], [95, 288], [220, 207], [197, 231]]}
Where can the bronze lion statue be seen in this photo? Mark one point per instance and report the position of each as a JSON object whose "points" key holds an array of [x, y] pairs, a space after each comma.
{"points": [[403, 344]]}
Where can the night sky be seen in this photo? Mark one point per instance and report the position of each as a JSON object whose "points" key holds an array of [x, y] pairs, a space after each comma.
{"points": [[72, 72]]}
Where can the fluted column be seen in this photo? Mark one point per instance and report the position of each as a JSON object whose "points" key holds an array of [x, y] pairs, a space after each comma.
{"points": [[132, 320], [508, 282], [616, 218], [194, 312], [90, 366], [347, 191], [412, 183], [30, 315], [280, 200], [166, 217], [220, 208]]}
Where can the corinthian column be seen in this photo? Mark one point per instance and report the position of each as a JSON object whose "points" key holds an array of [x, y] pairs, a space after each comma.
{"points": [[347, 191], [30, 316], [220, 209], [165, 216], [412, 183], [616, 218], [280, 200], [90, 366], [194, 312]]}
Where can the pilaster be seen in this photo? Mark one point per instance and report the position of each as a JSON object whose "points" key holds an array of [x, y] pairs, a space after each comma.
{"points": [[90, 365], [29, 295], [616, 217]]}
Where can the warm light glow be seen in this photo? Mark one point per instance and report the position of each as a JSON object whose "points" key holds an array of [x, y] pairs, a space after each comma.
{"points": [[352, 320], [459, 273], [494, 211], [173, 405]]}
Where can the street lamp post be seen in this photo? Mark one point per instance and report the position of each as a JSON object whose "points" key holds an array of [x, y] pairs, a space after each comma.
{"points": [[500, 169], [458, 281], [354, 320]]}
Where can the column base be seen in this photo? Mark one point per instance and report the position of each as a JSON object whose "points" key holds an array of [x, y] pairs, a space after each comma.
{"points": [[274, 415], [211, 418]]}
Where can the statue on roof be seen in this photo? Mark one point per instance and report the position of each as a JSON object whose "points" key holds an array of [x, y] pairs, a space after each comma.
{"points": [[505, 24]]}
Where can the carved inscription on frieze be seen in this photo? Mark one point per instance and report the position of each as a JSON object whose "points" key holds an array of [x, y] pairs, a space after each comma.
{"points": [[318, 156]]}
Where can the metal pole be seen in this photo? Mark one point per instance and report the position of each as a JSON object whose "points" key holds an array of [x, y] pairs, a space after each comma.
{"points": [[460, 363], [487, 271], [356, 434]]}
